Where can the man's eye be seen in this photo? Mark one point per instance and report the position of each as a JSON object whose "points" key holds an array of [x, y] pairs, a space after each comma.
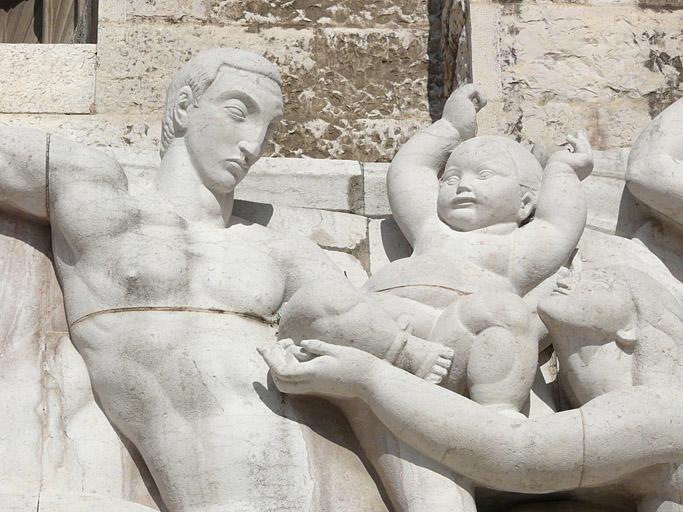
{"points": [[236, 112], [485, 174]]}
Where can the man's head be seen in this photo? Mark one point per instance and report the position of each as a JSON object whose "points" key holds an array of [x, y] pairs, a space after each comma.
{"points": [[488, 180], [222, 104]]}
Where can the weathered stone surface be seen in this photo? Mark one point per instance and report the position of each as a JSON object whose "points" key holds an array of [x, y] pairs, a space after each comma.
{"points": [[47, 502], [349, 93], [175, 10], [134, 133], [305, 183], [614, 67], [308, 13], [375, 189], [47, 78], [331, 230]]}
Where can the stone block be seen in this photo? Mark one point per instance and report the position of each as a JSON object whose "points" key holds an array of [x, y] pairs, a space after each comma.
{"points": [[349, 93], [387, 243], [588, 53], [46, 502], [306, 183], [47, 78], [131, 132], [176, 10], [366, 140], [331, 230], [603, 196], [308, 13], [375, 189], [610, 124], [291, 183]]}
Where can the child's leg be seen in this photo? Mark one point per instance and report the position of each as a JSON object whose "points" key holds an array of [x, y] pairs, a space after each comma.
{"points": [[347, 316], [496, 351], [414, 483]]}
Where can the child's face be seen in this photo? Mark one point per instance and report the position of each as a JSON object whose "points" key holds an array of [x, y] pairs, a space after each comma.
{"points": [[479, 188]]}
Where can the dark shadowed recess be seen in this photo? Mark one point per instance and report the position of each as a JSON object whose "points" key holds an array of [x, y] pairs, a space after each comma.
{"points": [[48, 21]]}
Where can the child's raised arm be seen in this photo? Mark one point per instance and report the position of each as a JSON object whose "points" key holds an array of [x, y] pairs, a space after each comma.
{"points": [[543, 245], [412, 181]]}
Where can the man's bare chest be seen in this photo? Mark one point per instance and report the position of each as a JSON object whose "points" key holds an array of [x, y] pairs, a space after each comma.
{"points": [[156, 264]]}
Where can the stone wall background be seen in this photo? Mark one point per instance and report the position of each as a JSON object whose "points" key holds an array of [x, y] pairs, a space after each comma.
{"points": [[551, 67], [358, 77]]}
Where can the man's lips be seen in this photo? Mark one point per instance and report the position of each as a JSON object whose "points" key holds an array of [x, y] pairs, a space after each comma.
{"points": [[562, 287]]}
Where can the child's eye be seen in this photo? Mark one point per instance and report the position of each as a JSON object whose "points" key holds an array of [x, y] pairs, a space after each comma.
{"points": [[485, 174], [452, 180]]}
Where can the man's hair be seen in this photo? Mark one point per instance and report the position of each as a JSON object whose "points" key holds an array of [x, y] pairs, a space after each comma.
{"points": [[200, 72], [659, 327]]}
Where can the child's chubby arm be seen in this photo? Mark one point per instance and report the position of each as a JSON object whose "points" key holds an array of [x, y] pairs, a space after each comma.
{"points": [[543, 245], [412, 181]]}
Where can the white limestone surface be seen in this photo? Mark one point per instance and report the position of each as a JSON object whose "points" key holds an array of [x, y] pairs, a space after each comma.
{"points": [[48, 78]]}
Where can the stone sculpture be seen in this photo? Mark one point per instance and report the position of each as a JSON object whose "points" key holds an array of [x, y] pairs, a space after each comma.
{"points": [[618, 335], [483, 236], [167, 294]]}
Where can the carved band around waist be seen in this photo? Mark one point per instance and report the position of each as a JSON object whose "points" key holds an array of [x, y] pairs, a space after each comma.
{"points": [[271, 320]]}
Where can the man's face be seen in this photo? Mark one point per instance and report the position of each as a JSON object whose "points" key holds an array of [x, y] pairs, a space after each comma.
{"points": [[479, 188], [225, 131]]}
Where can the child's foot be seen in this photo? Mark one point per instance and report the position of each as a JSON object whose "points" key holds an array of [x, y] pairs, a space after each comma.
{"points": [[425, 359]]}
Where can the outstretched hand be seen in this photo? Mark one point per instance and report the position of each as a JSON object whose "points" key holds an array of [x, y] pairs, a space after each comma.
{"points": [[462, 107], [318, 368], [580, 159]]}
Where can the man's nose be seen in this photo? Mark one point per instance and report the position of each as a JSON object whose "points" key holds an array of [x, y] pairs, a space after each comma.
{"points": [[251, 150]]}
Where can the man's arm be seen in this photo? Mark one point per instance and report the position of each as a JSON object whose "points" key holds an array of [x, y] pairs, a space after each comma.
{"points": [[609, 438], [412, 180], [543, 245], [23, 164], [43, 175]]}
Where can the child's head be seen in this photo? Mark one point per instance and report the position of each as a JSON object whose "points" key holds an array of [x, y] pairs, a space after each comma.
{"points": [[488, 180]]}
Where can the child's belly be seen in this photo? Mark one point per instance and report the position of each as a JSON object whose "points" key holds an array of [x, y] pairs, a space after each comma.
{"points": [[434, 281]]}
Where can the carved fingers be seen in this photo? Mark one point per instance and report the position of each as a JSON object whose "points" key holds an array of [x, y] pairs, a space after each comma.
{"points": [[461, 109], [317, 368], [580, 158]]}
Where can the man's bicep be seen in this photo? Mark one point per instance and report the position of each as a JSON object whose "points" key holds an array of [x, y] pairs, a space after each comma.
{"points": [[303, 261], [23, 157]]}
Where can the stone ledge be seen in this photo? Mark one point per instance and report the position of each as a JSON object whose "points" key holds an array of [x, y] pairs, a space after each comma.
{"points": [[335, 185], [49, 78]]}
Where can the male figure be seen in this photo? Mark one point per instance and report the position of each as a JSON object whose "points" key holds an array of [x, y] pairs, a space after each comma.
{"points": [[167, 294]]}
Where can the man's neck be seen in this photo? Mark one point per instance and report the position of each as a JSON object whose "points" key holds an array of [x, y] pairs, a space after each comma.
{"points": [[179, 183]]}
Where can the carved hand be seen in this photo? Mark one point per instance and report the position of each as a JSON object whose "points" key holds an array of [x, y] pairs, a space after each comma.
{"points": [[580, 159], [462, 107], [318, 368]]}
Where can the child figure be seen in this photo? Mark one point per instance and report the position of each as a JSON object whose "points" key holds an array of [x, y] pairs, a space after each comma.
{"points": [[483, 235]]}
